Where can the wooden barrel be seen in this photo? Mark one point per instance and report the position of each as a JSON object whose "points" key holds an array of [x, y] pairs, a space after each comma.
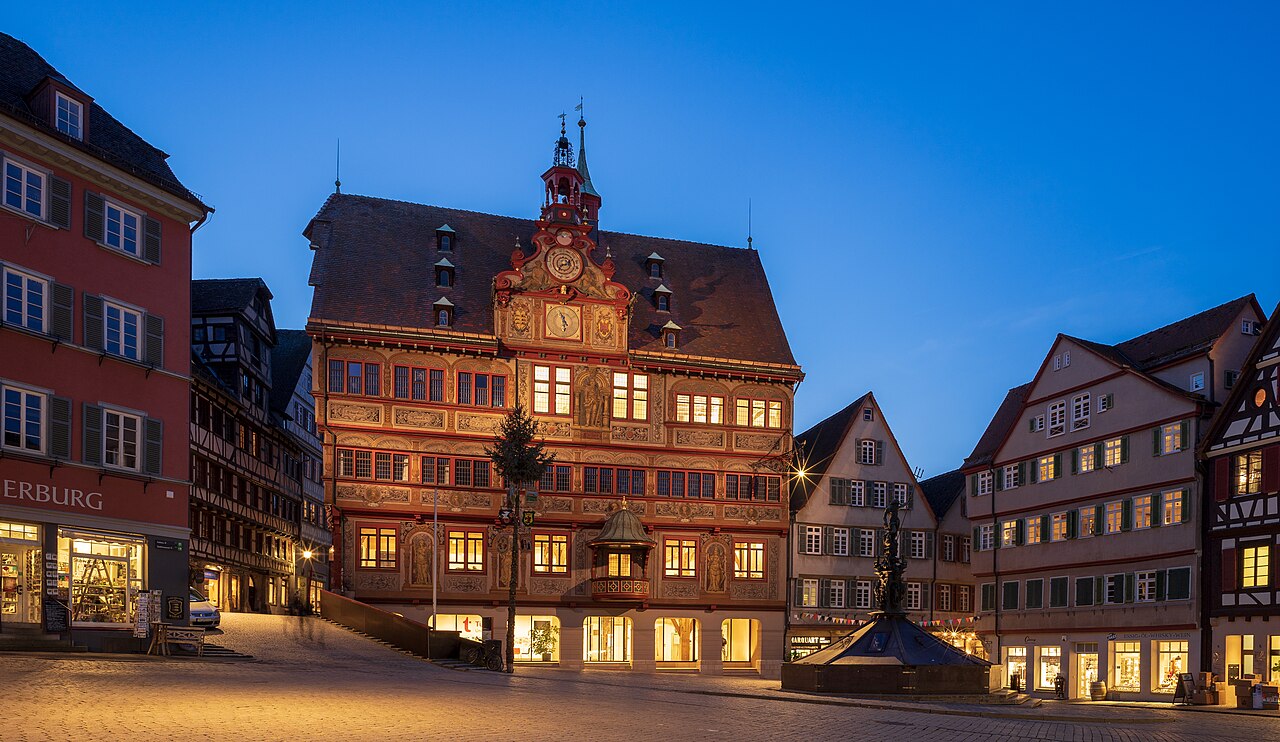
{"points": [[1098, 690]]}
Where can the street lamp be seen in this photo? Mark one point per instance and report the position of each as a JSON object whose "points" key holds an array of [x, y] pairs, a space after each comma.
{"points": [[307, 554]]}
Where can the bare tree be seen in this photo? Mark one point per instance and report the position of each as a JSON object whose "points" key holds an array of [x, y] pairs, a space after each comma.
{"points": [[521, 460]]}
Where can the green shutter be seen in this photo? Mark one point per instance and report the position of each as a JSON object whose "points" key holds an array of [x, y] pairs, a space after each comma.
{"points": [[1155, 442], [1186, 505], [1045, 533], [1031, 424], [1184, 435], [997, 479], [1022, 472], [977, 545], [1073, 524], [1020, 536], [1057, 465], [91, 447], [1126, 515], [1124, 449], [1130, 588], [1035, 473], [1160, 585], [1100, 451], [1075, 461], [1097, 520], [973, 485]]}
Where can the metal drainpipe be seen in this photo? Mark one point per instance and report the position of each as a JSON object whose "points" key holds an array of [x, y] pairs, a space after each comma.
{"points": [[995, 564], [335, 564]]}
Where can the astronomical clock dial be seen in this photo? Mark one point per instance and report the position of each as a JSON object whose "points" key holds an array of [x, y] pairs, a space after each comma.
{"points": [[564, 264], [563, 322]]}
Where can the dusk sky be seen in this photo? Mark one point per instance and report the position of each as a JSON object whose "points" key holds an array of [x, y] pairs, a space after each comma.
{"points": [[937, 190]]}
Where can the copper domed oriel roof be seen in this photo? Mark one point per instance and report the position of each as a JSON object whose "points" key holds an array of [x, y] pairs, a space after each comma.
{"points": [[623, 527]]}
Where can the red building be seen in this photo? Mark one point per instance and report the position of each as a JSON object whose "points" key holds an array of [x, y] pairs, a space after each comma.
{"points": [[95, 249]]}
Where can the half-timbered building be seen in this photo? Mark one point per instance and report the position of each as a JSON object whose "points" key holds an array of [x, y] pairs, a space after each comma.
{"points": [[1242, 452], [662, 381]]}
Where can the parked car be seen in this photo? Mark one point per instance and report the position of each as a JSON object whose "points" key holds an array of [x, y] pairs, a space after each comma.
{"points": [[203, 613]]}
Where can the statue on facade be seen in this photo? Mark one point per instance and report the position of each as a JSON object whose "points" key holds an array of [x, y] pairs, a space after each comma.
{"points": [[592, 401], [715, 569], [421, 564], [890, 589]]}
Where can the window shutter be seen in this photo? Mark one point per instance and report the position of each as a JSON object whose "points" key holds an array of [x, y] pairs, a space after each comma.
{"points": [[997, 479], [1022, 472], [977, 545], [1073, 524], [150, 240], [1031, 425], [926, 592], [60, 428], [62, 309], [973, 485], [1230, 571], [1130, 588], [1099, 584], [93, 329], [91, 450], [828, 540], [1045, 533], [824, 592], [95, 217], [1126, 515], [1020, 535], [1111, 401], [911, 497], [1185, 496], [1100, 452], [1124, 449], [1097, 520], [1057, 465], [1035, 473], [1222, 477], [153, 441], [59, 202], [799, 593], [1184, 435], [1155, 442], [1075, 461], [1160, 585], [1270, 469], [879, 452], [153, 349]]}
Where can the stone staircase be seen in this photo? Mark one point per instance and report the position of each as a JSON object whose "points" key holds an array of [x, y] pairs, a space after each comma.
{"points": [[36, 640], [448, 664]]}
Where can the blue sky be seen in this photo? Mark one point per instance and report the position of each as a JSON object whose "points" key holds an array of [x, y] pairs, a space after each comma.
{"points": [[938, 188]]}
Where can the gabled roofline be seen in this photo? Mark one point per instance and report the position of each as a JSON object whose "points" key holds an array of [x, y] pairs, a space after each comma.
{"points": [[1270, 331]]}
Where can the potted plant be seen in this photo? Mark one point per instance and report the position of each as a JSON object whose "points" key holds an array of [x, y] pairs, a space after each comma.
{"points": [[543, 641]]}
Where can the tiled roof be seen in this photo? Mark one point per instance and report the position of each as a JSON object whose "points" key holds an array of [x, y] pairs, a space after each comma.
{"points": [[374, 265], [288, 359], [1005, 417], [224, 294], [942, 491], [22, 69], [818, 445]]}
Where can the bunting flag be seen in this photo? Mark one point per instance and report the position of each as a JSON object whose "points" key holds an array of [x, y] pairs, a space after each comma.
{"points": [[828, 618], [950, 622]]}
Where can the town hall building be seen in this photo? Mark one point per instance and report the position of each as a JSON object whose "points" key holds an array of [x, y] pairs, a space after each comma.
{"points": [[662, 381]]}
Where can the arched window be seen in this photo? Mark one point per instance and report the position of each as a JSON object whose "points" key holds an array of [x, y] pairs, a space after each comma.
{"points": [[442, 318], [671, 340], [655, 270], [664, 303]]}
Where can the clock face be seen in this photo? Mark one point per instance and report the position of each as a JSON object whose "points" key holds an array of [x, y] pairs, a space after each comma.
{"points": [[564, 237], [563, 322], [564, 264]]}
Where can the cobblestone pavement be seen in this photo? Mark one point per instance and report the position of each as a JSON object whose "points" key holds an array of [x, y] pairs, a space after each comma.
{"points": [[325, 683]]}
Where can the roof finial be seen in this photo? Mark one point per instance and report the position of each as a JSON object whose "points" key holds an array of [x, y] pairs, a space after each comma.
{"points": [[564, 150], [337, 170], [749, 247]]}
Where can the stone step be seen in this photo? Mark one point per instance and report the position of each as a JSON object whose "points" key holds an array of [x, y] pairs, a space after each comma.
{"points": [[42, 646]]}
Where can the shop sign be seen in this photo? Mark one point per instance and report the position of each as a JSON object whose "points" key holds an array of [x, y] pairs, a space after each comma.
{"points": [[56, 616], [174, 607], [168, 544], [18, 489]]}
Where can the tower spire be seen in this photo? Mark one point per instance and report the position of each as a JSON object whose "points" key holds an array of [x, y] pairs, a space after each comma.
{"points": [[587, 187], [564, 150], [337, 170]]}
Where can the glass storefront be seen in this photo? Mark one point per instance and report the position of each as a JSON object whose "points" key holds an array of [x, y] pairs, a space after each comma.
{"points": [[1086, 667], [1050, 667], [469, 626], [101, 576], [1171, 659], [606, 639], [676, 640], [1127, 663], [537, 639], [739, 639], [1015, 664], [20, 573]]}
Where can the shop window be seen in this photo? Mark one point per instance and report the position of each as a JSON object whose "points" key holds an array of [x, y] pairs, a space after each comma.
{"points": [[676, 640], [1050, 667], [1016, 666], [606, 639], [101, 575], [537, 639], [470, 626], [1127, 667], [739, 637], [1171, 659], [466, 551]]}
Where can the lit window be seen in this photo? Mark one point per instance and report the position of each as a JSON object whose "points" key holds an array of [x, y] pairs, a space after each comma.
{"points": [[121, 229], [1115, 517], [759, 413], [1172, 658], [466, 551], [1255, 566], [1059, 527], [1009, 534], [378, 548], [1197, 381], [121, 432], [1114, 452], [24, 189], [1033, 535], [748, 560], [1047, 468], [1127, 674], [1145, 582], [1142, 511], [550, 553], [699, 408], [630, 396], [24, 414], [25, 300], [1172, 510], [70, 116], [1170, 440], [1086, 459], [809, 592], [1248, 473], [680, 557]]}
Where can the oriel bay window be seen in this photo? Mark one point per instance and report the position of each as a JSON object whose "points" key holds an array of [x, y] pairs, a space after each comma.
{"points": [[466, 551], [758, 413], [420, 384], [606, 480], [699, 408], [552, 390], [630, 396], [686, 484], [550, 553], [482, 390], [378, 547], [680, 557], [748, 560]]}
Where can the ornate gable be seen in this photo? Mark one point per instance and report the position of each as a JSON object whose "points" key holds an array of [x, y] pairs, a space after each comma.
{"points": [[1252, 412]]}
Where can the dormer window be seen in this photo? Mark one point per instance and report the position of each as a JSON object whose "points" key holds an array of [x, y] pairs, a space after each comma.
{"points": [[444, 274], [444, 312], [662, 298], [671, 335], [653, 264], [445, 238], [70, 116]]}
